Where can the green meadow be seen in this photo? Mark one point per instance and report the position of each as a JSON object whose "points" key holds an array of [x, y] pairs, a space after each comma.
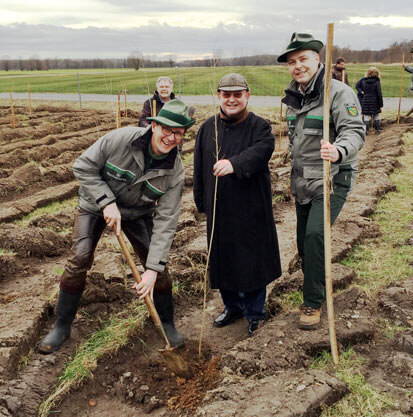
{"points": [[263, 80]]}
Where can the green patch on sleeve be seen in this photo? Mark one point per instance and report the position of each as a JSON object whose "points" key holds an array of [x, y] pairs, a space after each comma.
{"points": [[352, 110]]}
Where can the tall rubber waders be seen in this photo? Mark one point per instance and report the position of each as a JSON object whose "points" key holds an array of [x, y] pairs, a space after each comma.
{"points": [[173, 358], [326, 189]]}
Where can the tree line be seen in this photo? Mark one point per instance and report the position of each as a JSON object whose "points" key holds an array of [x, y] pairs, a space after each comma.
{"points": [[136, 60]]}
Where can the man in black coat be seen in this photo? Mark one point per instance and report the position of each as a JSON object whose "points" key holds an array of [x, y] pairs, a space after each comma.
{"points": [[235, 146]]}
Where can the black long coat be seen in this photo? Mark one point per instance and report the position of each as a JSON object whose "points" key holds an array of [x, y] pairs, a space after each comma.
{"points": [[245, 255], [372, 97]]}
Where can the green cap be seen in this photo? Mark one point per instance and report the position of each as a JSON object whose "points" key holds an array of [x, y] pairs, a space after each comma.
{"points": [[300, 41], [174, 113]]}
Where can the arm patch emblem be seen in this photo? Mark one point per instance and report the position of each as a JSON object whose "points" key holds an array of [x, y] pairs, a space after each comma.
{"points": [[352, 110]]}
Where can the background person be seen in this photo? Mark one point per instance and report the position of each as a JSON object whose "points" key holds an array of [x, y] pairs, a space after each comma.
{"points": [[360, 89], [339, 72], [162, 94], [244, 256], [131, 177], [305, 98], [409, 68], [372, 99]]}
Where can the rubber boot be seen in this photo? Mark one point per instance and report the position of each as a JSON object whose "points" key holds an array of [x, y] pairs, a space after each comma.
{"points": [[367, 124], [164, 306], [66, 311], [376, 125]]}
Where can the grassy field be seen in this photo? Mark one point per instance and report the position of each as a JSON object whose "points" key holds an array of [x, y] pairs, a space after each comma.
{"points": [[263, 80]]}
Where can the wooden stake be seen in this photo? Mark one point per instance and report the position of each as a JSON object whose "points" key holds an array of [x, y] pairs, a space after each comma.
{"points": [[281, 119], [343, 76], [12, 119], [118, 123], [30, 99], [153, 108], [126, 106], [326, 190], [401, 86]]}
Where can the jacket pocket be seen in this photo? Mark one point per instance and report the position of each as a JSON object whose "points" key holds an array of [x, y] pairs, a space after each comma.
{"points": [[151, 191]]}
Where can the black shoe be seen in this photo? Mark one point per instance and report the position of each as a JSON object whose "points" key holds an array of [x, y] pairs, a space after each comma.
{"points": [[66, 311], [227, 317], [252, 327]]}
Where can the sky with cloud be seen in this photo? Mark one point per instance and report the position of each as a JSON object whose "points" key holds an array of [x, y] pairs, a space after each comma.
{"points": [[188, 29]]}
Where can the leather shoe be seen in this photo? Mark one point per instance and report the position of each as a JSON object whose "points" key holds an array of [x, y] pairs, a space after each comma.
{"points": [[252, 327], [227, 317]]}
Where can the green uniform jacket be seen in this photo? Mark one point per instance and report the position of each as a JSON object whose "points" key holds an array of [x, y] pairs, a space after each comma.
{"points": [[305, 130], [112, 170]]}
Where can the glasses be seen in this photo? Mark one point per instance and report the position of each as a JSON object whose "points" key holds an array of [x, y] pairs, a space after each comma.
{"points": [[235, 94], [168, 132]]}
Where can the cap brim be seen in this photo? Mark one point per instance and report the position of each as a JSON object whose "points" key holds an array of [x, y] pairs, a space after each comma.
{"points": [[314, 45], [233, 88], [166, 122]]}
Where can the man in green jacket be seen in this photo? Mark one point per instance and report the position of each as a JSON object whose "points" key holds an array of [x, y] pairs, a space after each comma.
{"points": [[304, 98], [131, 177]]}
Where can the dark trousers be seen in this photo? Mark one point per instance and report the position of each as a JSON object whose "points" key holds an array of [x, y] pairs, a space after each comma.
{"points": [[251, 303], [310, 242], [88, 229]]}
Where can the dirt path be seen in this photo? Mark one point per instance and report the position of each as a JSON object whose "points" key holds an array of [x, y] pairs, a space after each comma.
{"points": [[273, 364]]}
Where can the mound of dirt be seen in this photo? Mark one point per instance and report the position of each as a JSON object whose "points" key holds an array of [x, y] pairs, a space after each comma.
{"points": [[32, 241]]}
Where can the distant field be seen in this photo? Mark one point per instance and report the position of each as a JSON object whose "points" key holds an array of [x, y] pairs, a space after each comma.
{"points": [[263, 80]]}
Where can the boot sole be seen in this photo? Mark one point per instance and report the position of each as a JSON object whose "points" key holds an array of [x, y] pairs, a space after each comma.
{"points": [[309, 326]]}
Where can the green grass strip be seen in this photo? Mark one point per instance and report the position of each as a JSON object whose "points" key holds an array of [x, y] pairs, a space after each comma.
{"points": [[109, 339], [378, 262], [381, 261]]}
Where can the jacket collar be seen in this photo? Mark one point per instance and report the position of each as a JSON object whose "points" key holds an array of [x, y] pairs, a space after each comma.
{"points": [[294, 98]]}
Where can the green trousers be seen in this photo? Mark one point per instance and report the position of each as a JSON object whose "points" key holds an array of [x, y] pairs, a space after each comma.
{"points": [[310, 242]]}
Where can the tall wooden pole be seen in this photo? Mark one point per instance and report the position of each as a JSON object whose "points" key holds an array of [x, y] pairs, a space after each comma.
{"points": [[401, 86], [154, 108], [30, 99], [12, 119], [281, 119], [326, 190], [126, 105], [343, 76], [118, 123]]}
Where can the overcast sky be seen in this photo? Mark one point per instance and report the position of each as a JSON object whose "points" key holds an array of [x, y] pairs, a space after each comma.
{"points": [[192, 29]]}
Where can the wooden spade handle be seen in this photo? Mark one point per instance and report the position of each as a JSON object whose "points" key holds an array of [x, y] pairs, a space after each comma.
{"points": [[148, 300]]}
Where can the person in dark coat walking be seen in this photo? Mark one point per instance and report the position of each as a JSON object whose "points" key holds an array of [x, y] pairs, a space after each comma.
{"points": [[162, 94], [372, 99], [244, 255], [359, 89]]}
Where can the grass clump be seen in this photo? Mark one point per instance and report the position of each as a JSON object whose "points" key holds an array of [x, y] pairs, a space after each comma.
{"points": [[107, 340], [290, 300], [366, 400], [53, 208]]}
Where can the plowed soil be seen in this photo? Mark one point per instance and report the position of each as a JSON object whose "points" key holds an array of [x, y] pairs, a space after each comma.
{"points": [[266, 375]]}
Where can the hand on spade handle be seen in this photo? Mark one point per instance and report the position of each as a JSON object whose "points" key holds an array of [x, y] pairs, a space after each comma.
{"points": [[111, 214], [147, 284]]}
